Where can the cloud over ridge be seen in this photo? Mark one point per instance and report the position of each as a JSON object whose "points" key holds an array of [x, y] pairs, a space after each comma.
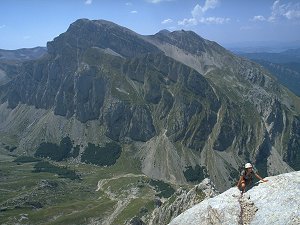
{"points": [[198, 15]]}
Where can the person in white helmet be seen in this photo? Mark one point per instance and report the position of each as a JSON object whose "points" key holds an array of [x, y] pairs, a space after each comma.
{"points": [[247, 177]]}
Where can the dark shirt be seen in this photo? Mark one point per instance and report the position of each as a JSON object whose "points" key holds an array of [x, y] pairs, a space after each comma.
{"points": [[248, 176]]}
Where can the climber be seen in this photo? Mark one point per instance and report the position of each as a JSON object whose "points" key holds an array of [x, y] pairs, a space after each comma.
{"points": [[247, 177]]}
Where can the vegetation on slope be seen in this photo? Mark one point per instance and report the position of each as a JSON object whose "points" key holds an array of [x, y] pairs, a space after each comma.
{"points": [[57, 152], [196, 174], [37, 191], [101, 156]]}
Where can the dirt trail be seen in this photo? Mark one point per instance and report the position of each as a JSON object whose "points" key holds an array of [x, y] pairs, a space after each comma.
{"points": [[122, 200], [102, 182]]}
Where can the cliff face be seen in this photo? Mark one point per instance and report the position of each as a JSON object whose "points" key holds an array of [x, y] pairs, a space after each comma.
{"points": [[189, 108], [274, 202], [183, 201]]}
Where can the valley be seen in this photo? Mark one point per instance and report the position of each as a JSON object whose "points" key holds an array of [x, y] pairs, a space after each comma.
{"points": [[110, 195]]}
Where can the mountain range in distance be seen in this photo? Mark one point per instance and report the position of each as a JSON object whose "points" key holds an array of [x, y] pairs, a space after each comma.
{"points": [[261, 46], [20, 55], [285, 66]]}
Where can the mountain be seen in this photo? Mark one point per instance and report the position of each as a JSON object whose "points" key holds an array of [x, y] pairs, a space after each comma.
{"points": [[186, 106], [261, 46], [10, 60], [288, 56], [273, 202], [21, 55], [285, 66], [288, 74]]}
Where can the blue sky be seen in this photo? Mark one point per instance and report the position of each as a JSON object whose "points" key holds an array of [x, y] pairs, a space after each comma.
{"points": [[30, 23]]}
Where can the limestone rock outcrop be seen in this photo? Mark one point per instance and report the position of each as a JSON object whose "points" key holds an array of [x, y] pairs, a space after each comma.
{"points": [[183, 201], [273, 202]]}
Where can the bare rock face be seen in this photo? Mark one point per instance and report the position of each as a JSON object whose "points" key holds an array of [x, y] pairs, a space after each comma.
{"points": [[273, 202], [184, 200]]}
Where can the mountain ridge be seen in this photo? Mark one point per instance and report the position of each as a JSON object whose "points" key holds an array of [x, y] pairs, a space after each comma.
{"points": [[196, 107], [284, 66], [23, 54]]}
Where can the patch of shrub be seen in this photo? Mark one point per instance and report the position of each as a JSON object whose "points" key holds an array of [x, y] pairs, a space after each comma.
{"points": [[143, 210], [75, 151], [137, 221], [50, 168], [164, 190], [195, 175], [26, 159], [101, 156], [50, 150], [57, 152], [11, 149], [34, 205]]}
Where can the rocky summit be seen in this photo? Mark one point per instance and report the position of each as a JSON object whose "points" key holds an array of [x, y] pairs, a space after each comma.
{"points": [[185, 107], [273, 202]]}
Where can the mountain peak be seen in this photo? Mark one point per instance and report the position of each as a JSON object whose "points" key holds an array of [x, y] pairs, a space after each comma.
{"points": [[164, 32], [85, 22], [274, 202], [186, 40], [84, 34], [178, 33]]}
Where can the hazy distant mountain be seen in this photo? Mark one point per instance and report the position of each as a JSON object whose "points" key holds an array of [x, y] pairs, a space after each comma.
{"points": [[288, 56], [185, 106], [10, 60], [21, 55], [261, 46], [285, 66]]}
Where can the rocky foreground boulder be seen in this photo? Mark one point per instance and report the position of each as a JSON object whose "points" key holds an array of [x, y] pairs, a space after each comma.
{"points": [[274, 202]]}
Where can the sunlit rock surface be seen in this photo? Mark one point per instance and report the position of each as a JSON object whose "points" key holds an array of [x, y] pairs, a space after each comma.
{"points": [[274, 202]]}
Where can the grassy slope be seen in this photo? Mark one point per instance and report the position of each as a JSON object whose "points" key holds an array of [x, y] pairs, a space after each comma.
{"points": [[68, 201]]}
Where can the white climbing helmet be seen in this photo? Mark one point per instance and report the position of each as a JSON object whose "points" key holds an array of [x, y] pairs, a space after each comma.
{"points": [[248, 165]]}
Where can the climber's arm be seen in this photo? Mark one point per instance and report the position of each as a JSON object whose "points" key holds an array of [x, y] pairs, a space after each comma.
{"points": [[258, 177]]}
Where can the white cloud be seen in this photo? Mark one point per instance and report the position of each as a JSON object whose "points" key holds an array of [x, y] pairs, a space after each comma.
{"points": [[214, 20], [2, 26], [280, 11], [198, 13], [287, 11], [258, 18], [277, 9], [133, 11], [292, 14], [128, 3], [88, 2], [188, 22], [200, 10], [167, 21]]}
